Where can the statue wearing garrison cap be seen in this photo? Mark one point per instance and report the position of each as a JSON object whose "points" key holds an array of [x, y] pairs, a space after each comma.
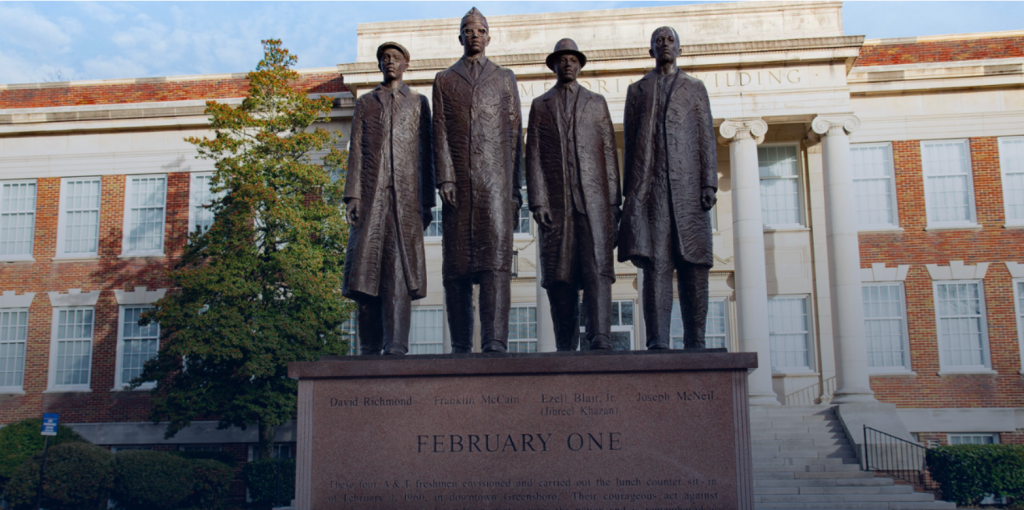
{"points": [[669, 182], [478, 147], [389, 192], [572, 176]]}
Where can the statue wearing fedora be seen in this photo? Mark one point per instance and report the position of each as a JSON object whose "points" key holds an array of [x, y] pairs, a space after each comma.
{"points": [[478, 141], [389, 192], [670, 180], [572, 177]]}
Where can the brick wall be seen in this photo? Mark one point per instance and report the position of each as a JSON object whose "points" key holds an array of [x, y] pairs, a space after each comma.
{"points": [[940, 51], [149, 90], [917, 247]]}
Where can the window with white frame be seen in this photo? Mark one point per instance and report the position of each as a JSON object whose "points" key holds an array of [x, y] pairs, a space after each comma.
{"points": [[71, 352], [348, 333], [200, 197], [426, 331], [135, 344], [715, 330], [522, 329], [780, 186], [434, 229], [962, 331], [17, 219], [1018, 294], [874, 185], [713, 215], [789, 332], [78, 227], [145, 208], [1011, 163], [13, 335], [523, 227], [622, 330], [949, 192], [973, 439], [885, 325]]}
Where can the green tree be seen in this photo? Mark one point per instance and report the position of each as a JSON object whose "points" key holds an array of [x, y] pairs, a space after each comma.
{"points": [[262, 287]]}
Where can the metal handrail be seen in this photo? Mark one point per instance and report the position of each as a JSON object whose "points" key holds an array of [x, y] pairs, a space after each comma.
{"points": [[899, 458], [813, 394]]}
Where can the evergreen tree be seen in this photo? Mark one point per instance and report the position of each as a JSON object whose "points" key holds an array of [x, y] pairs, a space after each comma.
{"points": [[262, 286]]}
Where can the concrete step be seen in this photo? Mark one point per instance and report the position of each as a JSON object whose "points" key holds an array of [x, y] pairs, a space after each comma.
{"points": [[807, 468], [804, 462], [850, 505], [886, 489], [772, 448]]}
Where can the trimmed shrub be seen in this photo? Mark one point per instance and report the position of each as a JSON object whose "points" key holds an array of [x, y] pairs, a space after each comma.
{"points": [[19, 441], [264, 478], [218, 456], [78, 476], [967, 473], [212, 481], [148, 480]]}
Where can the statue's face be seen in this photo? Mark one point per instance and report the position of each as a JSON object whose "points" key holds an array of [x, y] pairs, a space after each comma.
{"points": [[664, 46], [567, 66], [474, 38], [392, 64]]}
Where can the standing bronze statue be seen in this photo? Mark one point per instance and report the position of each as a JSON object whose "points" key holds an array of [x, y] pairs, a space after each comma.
{"points": [[669, 181], [572, 178], [389, 192], [478, 141]]}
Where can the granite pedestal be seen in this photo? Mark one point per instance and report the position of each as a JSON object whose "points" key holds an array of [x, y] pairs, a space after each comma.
{"points": [[597, 430]]}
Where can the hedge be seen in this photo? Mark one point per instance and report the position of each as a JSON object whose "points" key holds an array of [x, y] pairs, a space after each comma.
{"points": [[149, 480], [20, 440], [967, 473], [79, 476], [212, 479], [262, 477], [219, 456]]}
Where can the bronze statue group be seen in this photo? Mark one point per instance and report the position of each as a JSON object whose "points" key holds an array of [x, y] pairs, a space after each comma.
{"points": [[470, 149]]}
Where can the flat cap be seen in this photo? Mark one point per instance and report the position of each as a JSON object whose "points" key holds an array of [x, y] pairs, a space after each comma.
{"points": [[392, 44]]}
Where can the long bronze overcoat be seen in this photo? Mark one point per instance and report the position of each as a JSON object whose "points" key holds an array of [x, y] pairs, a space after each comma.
{"points": [[692, 161], [478, 146], [547, 180], [369, 175]]}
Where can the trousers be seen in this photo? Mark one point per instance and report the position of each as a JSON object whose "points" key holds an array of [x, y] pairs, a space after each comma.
{"points": [[383, 320], [495, 300], [597, 294]]}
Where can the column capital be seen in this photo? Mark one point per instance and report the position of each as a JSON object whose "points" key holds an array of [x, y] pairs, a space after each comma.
{"points": [[739, 129], [831, 124]]}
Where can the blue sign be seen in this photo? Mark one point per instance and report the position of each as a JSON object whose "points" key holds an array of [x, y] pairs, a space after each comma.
{"points": [[50, 424]]}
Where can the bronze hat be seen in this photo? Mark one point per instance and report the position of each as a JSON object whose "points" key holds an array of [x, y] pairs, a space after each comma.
{"points": [[473, 15], [392, 44], [565, 46]]}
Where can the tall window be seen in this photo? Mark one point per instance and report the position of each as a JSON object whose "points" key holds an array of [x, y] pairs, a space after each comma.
{"points": [[1018, 287], [434, 229], [1011, 161], [72, 354], [713, 214], [789, 332], [13, 335], [523, 227], [885, 325], [963, 335], [136, 344], [780, 185], [426, 331], [522, 329], [78, 229], [874, 185], [715, 330], [17, 219], [200, 197], [146, 197], [949, 196]]}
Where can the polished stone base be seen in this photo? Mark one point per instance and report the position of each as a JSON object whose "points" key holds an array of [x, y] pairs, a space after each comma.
{"points": [[601, 430]]}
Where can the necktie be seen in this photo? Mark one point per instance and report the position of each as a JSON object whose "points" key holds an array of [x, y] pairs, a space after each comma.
{"points": [[474, 69]]}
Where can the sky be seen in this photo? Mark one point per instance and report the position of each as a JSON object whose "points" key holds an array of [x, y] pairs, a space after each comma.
{"points": [[57, 41]]}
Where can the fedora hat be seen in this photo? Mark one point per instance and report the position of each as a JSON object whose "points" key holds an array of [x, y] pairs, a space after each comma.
{"points": [[391, 44], [565, 46]]}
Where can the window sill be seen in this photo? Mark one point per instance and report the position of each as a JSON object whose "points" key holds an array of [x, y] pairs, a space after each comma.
{"points": [[893, 373], [141, 256], [522, 237], [12, 260], [69, 390], [881, 230], [783, 228], [79, 258], [12, 391], [124, 388], [975, 371], [432, 239], [795, 372], [939, 228], [1014, 226]]}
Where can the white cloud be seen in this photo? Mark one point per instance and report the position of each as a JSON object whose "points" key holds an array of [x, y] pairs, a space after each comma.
{"points": [[15, 68], [28, 29], [100, 12], [103, 67]]}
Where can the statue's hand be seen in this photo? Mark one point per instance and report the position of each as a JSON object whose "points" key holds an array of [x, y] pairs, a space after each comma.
{"points": [[542, 215], [352, 212], [447, 193], [707, 198]]}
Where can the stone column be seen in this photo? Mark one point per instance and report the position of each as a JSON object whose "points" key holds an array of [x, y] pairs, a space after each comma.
{"points": [[743, 135], [852, 384], [545, 328]]}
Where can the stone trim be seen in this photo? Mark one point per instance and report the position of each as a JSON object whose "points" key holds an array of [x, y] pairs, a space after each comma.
{"points": [[879, 273], [1016, 269], [139, 296], [10, 300], [74, 297], [1005, 419], [956, 270], [739, 129]]}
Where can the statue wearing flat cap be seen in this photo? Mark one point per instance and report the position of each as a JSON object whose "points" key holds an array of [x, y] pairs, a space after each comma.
{"points": [[572, 176], [669, 182], [389, 192], [478, 151]]}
